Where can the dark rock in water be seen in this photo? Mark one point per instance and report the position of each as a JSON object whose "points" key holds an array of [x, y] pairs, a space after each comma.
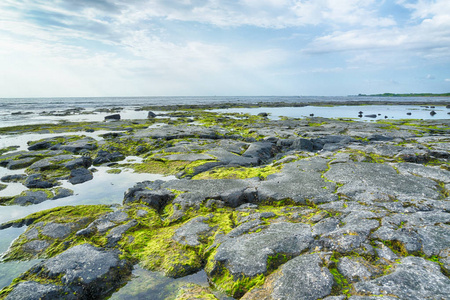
{"points": [[360, 112], [90, 130], [433, 113], [78, 146], [370, 116], [90, 272], [311, 115], [360, 116], [40, 146], [38, 181], [263, 114], [113, 117], [13, 178], [432, 107], [448, 106], [385, 117], [30, 290], [80, 175], [143, 192], [151, 115], [379, 114], [80, 162], [20, 163], [32, 197], [408, 113], [107, 157], [62, 193]]}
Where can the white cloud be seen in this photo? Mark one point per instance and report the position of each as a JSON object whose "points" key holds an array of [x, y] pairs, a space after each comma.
{"points": [[447, 79]]}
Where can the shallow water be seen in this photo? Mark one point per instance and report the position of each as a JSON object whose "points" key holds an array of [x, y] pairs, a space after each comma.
{"points": [[10, 270], [104, 188], [154, 285], [391, 111]]}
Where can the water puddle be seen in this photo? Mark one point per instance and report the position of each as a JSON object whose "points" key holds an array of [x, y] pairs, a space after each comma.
{"points": [[154, 285]]}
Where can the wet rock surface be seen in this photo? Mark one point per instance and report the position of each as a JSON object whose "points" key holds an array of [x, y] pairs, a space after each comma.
{"points": [[270, 209]]}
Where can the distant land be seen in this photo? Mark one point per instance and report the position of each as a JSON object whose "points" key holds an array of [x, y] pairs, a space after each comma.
{"points": [[407, 95]]}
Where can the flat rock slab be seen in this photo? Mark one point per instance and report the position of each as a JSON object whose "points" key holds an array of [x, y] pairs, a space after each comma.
{"points": [[299, 182], [31, 290], [413, 278], [424, 171], [362, 178], [303, 277], [190, 233], [97, 271], [248, 254]]}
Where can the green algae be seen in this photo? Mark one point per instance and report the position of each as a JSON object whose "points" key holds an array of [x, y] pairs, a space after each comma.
{"points": [[239, 172]]}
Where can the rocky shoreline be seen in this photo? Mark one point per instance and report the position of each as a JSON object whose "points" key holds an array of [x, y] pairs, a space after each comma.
{"points": [[270, 209]]}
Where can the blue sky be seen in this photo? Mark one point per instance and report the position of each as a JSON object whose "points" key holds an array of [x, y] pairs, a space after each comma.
{"points": [[70, 48]]}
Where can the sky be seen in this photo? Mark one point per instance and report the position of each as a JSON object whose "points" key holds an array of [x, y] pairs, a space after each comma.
{"points": [[102, 48]]}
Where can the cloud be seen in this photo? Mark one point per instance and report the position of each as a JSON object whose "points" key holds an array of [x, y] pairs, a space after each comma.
{"points": [[430, 77], [447, 79]]}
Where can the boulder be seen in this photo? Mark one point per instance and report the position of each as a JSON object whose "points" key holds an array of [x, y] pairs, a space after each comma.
{"points": [[80, 175], [112, 117]]}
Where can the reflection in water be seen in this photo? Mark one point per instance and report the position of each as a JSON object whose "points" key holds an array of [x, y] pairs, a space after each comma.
{"points": [[154, 285]]}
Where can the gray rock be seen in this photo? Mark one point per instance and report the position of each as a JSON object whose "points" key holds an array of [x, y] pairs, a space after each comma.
{"points": [[157, 198], [80, 162], [107, 157], [57, 230], [94, 272], [260, 150], [62, 193], [113, 117], [424, 171], [248, 254], [14, 178], [192, 232], [354, 269], [31, 290], [38, 181], [385, 253], [80, 175], [35, 246], [20, 163], [32, 197], [413, 278], [303, 277], [116, 234], [359, 178]]}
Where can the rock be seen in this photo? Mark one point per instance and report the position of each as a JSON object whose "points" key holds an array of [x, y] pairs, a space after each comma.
{"points": [[38, 181], [304, 277], [260, 150], [91, 272], [31, 290], [157, 198], [32, 197], [370, 116], [247, 255], [263, 114], [116, 234], [113, 117], [80, 162], [20, 163], [107, 157], [432, 113], [151, 115], [354, 269], [80, 175], [413, 278], [14, 178], [190, 233], [358, 179]]}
